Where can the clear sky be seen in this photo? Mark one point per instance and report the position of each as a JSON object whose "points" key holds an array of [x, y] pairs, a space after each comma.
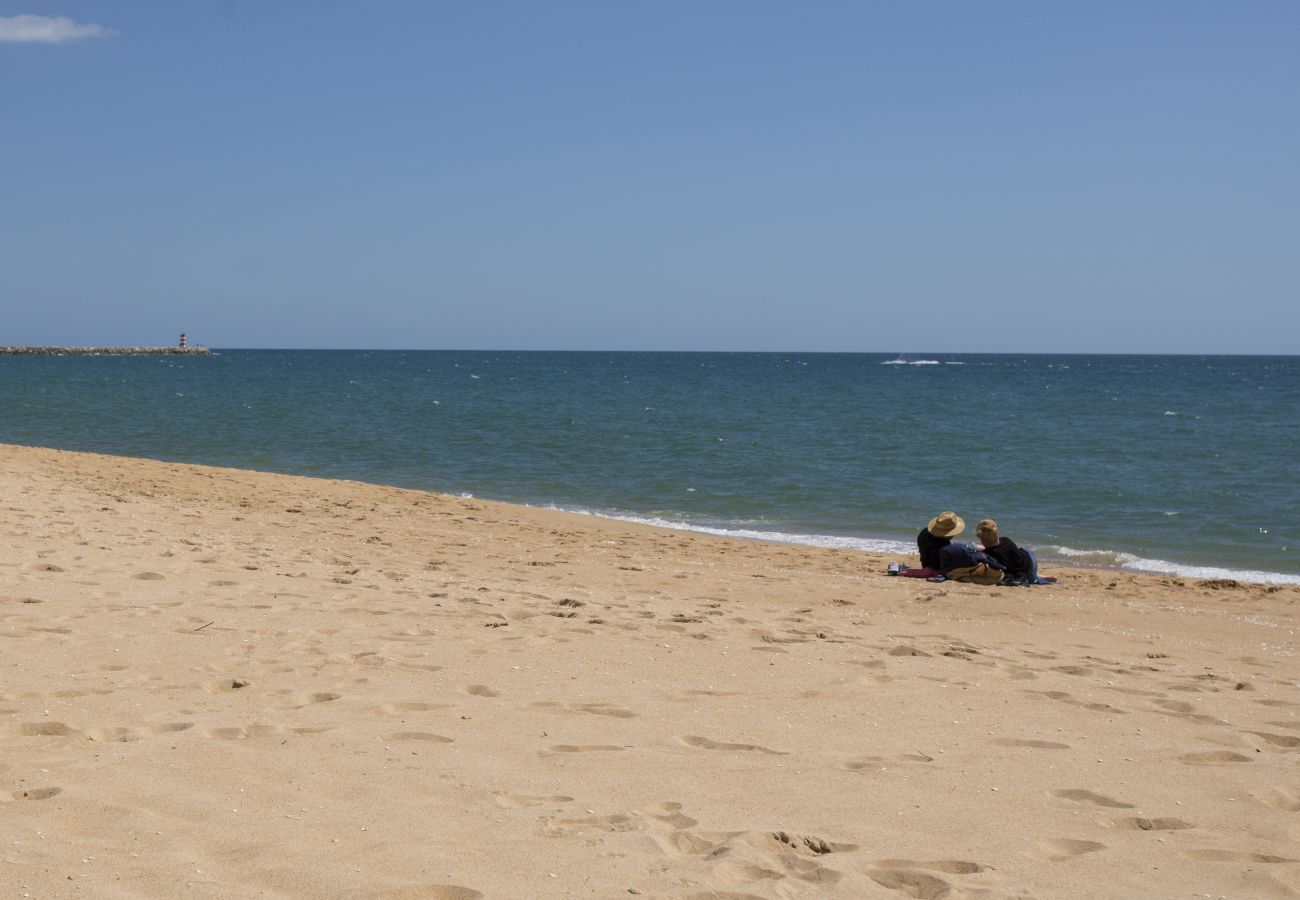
{"points": [[697, 175]]}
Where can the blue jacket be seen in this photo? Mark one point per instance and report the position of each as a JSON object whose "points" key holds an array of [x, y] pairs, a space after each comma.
{"points": [[959, 556]]}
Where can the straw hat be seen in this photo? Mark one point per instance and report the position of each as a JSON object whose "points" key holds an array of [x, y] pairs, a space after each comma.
{"points": [[946, 524]]}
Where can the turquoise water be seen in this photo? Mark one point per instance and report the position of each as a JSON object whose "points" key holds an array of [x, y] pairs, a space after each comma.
{"points": [[1175, 464]]}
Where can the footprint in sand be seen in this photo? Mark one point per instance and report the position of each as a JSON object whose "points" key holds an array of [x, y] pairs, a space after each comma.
{"points": [[782, 854], [46, 729], [397, 709], [147, 576], [426, 892], [1283, 741], [235, 733], [482, 690], [554, 827], [1037, 745], [1135, 692], [884, 763], [1059, 849], [1072, 670], [1216, 855], [683, 843], [692, 740], [1134, 823], [805, 844], [311, 699], [1281, 798], [921, 885], [1213, 758], [947, 866], [43, 793], [425, 736], [607, 709], [225, 685], [508, 800], [1077, 795], [584, 748], [908, 650], [670, 814], [1071, 700], [113, 735]]}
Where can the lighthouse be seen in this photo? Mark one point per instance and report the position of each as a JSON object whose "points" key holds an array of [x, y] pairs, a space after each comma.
{"points": [[182, 340]]}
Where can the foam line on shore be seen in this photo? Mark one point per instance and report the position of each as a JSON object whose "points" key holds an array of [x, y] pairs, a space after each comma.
{"points": [[1128, 562], [1052, 555]]}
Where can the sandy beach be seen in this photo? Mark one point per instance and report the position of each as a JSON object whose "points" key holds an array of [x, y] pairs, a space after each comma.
{"points": [[218, 683]]}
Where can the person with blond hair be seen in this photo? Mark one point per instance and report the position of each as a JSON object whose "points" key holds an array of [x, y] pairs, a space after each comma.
{"points": [[1018, 564]]}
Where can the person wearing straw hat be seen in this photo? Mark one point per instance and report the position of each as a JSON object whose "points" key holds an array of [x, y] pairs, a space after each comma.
{"points": [[936, 535]]}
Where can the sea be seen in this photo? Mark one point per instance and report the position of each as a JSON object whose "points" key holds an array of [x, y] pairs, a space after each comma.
{"points": [[1182, 465]]}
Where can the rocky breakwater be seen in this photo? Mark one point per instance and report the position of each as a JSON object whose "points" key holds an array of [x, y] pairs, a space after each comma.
{"points": [[104, 351]]}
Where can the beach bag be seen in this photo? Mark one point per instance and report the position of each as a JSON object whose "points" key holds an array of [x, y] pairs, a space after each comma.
{"points": [[980, 573]]}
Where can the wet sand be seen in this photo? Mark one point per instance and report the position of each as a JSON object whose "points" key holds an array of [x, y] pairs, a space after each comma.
{"points": [[218, 683]]}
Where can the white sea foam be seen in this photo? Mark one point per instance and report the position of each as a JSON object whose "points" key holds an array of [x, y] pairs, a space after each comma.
{"points": [[1106, 559], [836, 542], [1130, 562], [910, 362]]}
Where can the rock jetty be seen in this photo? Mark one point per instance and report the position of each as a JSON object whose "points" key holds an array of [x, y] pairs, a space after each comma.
{"points": [[104, 351]]}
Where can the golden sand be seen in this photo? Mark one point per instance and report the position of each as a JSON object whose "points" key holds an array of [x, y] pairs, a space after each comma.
{"points": [[217, 683]]}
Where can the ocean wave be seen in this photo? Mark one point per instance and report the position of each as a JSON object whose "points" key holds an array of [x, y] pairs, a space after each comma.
{"points": [[1133, 563], [910, 362]]}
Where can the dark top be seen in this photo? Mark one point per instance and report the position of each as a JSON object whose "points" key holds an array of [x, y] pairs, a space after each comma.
{"points": [[929, 546], [1015, 561]]}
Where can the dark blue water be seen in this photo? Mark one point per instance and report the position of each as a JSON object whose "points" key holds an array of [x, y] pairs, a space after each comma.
{"points": [[1177, 464]]}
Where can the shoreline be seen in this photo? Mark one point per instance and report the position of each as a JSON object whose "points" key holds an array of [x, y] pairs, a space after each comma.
{"points": [[883, 549], [1050, 556], [254, 683]]}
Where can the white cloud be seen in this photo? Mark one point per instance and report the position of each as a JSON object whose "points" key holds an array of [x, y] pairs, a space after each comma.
{"points": [[26, 29]]}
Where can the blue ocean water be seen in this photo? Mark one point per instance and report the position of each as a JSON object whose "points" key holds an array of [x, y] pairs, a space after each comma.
{"points": [[1185, 465]]}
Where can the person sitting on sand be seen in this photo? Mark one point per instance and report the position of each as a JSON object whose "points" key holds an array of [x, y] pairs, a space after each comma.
{"points": [[963, 561], [937, 535], [1019, 564]]}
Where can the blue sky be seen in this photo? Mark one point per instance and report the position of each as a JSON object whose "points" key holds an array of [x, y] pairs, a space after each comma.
{"points": [[847, 176]]}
